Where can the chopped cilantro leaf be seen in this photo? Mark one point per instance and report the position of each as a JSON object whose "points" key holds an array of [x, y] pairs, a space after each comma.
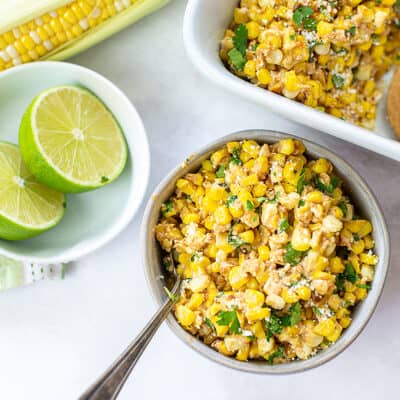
{"points": [[350, 273], [276, 354], [398, 55], [301, 203], [195, 256], [292, 256], [275, 199], [292, 36], [284, 225], [168, 207], [229, 318], [294, 316], [302, 14], [104, 179], [343, 207], [237, 58], [272, 325], [356, 237], [330, 187], [240, 39], [237, 55], [231, 199], [235, 157], [337, 80], [317, 311], [310, 24], [210, 324], [220, 172], [351, 31], [261, 199], [397, 6], [235, 241], [173, 297], [249, 205], [301, 182], [364, 286]]}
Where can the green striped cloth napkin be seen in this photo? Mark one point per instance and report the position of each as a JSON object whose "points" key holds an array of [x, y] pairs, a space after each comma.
{"points": [[16, 273]]}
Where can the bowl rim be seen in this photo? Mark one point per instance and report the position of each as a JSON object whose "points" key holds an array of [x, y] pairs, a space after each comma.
{"points": [[136, 190], [334, 350], [291, 109]]}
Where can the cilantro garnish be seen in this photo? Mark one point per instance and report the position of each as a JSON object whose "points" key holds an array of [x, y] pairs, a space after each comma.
{"points": [[292, 256], [272, 325], [231, 199], [195, 256], [292, 36], [275, 199], [349, 274], [330, 187], [229, 318], [235, 241], [364, 286], [173, 297], [356, 237], [261, 199], [301, 203], [235, 157], [398, 55], [237, 59], [397, 6], [276, 354], [302, 17], [237, 55], [220, 172], [284, 225], [343, 207], [301, 182], [104, 179], [168, 207], [351, 31], [240, 38], [317, 311], [338, 81], [249, 205], [294, 316], [210, 324]]}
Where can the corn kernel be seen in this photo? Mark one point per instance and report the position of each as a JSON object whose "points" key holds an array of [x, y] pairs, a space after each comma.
{"points": [[304, 293], [184, 315]]}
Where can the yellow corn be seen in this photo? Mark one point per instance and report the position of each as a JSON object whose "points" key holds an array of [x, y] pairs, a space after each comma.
{"points": [[47, 33]]}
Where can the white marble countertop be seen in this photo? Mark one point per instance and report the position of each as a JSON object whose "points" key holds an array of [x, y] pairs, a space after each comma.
{"points": [[56, 337]]}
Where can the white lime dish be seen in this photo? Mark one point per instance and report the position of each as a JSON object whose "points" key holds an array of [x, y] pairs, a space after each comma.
{"points": [[204, 25], [91, 219]]}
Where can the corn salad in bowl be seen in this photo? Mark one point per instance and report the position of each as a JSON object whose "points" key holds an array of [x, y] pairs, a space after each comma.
{"points": [[327, 54], [272, 252]]}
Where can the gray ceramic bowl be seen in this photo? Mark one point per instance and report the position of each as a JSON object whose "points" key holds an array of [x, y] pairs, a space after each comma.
{"points": [[365, 203]]}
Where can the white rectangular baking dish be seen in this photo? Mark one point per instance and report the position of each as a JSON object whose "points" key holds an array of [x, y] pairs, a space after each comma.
{"points": [[204, 25]]}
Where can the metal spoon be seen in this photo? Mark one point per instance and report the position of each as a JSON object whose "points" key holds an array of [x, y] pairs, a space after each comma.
{"points": [[108, 386]]}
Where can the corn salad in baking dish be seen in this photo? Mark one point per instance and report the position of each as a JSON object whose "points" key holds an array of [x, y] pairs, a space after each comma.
{"points": [[272, 253], [327, 54]]}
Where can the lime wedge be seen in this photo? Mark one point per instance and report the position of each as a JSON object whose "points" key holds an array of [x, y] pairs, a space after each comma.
{"points": [[70, 140], [27, 208]]}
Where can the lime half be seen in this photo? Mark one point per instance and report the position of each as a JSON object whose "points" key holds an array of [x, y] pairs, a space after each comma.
{"points": [[27, 208], [70, 140]]}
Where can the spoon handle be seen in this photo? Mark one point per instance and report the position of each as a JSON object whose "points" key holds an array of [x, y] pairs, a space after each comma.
{"points": [[108, 386]]}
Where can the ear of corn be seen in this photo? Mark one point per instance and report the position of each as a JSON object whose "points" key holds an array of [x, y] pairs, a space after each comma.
{"points": [[66, 29]]}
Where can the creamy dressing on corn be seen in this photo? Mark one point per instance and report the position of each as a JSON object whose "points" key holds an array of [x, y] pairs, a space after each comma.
{"points": [[271, 253]]}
